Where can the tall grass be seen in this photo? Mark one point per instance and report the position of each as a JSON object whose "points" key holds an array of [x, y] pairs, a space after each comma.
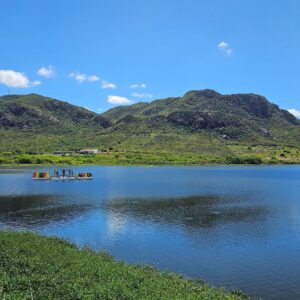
{"points": [[36, 267]]}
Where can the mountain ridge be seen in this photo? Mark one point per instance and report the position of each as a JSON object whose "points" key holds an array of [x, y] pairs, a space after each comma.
{"points": [[209, 110], [239, 99], [35, 111]]}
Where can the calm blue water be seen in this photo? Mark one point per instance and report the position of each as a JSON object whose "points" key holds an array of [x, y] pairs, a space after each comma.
{"points": [[237, 227]]}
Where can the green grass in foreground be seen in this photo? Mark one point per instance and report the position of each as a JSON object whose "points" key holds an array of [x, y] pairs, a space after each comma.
{"points": [[36, 267]]}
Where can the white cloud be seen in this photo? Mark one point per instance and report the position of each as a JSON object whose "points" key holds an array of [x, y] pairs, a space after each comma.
{"points": [[225, 48], [46, 72], [35, 83], [93, 78], [87, 108], [81, 77], [223, 45], [78, 77], [107, 85], [15, 79], [294, 112], [138, 85], [141, 95], [118, 100]]}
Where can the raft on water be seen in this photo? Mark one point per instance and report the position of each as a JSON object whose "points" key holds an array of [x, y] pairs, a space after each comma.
{"points": [[41, 176], [64, 175]]}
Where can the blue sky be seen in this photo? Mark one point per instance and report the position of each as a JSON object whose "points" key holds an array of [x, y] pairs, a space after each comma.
{"points": [[91, 53]]}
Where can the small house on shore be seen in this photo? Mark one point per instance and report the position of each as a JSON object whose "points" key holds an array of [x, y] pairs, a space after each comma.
{"points": [[88, 151]]}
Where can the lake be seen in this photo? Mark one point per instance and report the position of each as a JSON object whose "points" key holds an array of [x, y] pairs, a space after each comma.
{"points": [[237, 227]]}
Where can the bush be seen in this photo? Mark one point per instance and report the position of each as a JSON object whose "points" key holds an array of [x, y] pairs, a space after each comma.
{"points": [[252, 160], [25, 160], [244, 160], [39, 161]]}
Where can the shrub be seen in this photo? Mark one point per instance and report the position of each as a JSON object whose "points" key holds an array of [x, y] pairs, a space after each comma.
{"points": [[252, 160], [25, 160], [244, 160]]}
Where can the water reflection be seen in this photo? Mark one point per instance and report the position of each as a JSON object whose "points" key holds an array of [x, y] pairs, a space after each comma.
{"points": [[190, 212], [116, 223], [25, 211], [14, 203]]}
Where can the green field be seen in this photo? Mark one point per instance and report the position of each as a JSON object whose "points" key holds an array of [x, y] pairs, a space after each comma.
{"points": [[36, 267]]}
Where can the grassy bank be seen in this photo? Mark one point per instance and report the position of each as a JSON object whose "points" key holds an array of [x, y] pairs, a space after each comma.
{"points": [[36, 267], [237, 155]]}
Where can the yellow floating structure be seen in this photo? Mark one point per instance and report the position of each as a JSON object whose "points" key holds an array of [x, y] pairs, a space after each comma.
{"points": [[64, 175], [41, 176]]}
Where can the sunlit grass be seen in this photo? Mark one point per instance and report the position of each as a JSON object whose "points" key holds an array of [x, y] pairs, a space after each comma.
{"points": [[36, 267]]}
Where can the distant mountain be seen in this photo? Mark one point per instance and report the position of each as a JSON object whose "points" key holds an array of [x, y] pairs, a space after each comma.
{"points": [[201, 121], [244, 117], [34, 123], [36, 113]]}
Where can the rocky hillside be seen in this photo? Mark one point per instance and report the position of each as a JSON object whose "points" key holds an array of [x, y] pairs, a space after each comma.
{"points": [[236, 117], [201, 121], [36, 113]]}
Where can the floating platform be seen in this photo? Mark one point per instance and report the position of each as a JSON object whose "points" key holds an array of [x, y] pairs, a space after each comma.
{"points": [[63, 177]]}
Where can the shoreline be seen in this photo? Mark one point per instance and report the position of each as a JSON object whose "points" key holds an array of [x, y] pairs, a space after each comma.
{"points": [[142, 165], [49, 267], [150, 158], [145, 165]]}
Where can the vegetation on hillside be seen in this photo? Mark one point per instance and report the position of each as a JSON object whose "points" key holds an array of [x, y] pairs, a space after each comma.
{"points": [[200, 127], [239, 155], [36, 267]]}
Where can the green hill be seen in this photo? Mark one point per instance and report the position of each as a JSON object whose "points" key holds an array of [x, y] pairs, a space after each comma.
{"points": [[36, 123], [242, 117], [41, 114], [199, 127]]}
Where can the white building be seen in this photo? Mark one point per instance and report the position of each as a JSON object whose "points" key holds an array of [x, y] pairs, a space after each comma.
{"points": [[88, 151]]}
